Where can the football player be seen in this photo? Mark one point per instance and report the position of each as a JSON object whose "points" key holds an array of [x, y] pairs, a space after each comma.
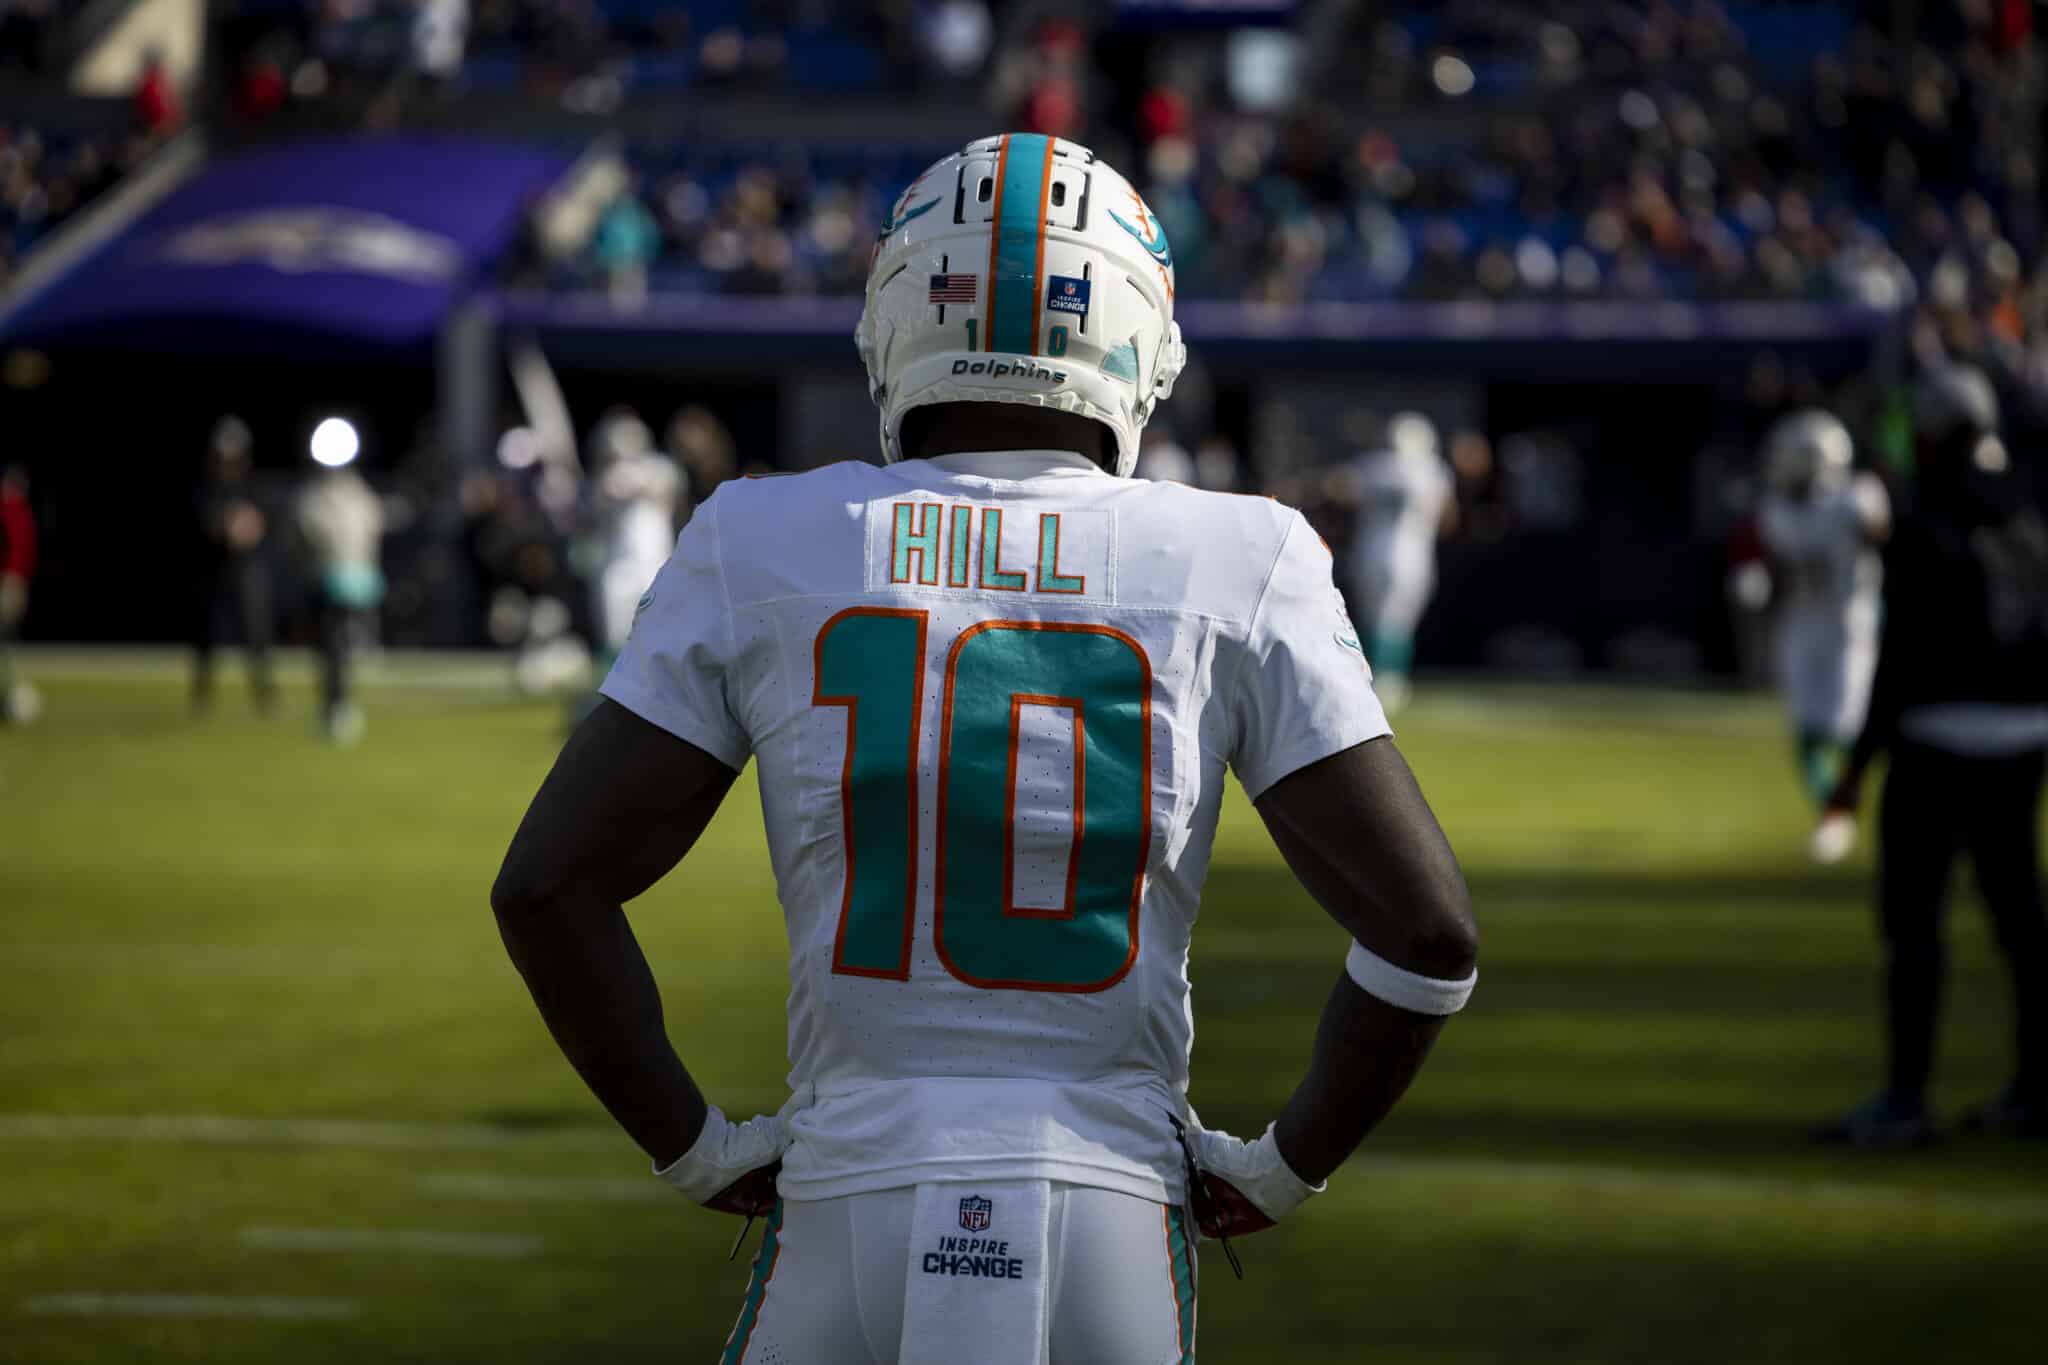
{"points": [[1404, 500], [634, 489], [992, 686], [1821, 523]]}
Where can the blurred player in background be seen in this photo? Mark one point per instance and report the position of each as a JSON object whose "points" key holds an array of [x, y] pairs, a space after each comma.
{"points": [[1404, 501], [1821, 522], [235, 582], [702, 448], [341, 521], [1960, 703], [634, 490], [992, 686], [19, 701]]}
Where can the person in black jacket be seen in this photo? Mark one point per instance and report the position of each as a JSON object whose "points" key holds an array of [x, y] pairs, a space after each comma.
{"points": [[234, 590], [1960, 702]]}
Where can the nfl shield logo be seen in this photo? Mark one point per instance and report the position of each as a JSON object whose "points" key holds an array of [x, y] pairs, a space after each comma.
{"points": [[974, 1212]]}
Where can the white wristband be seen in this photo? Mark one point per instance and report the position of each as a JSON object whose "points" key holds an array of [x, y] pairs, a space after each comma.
{"points": [[1405, 989]]}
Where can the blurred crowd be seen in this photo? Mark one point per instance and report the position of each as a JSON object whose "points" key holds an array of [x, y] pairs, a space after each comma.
{"points": [[750, 221], [52, 167], [587, 56], [44, 176], [1480, 149], [1635, 151], [1471, 151]]}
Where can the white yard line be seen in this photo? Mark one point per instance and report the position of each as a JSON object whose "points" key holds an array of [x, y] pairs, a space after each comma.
{"points": [[269, 1307], [424, 1241], [456, 670], [517, 1189]]}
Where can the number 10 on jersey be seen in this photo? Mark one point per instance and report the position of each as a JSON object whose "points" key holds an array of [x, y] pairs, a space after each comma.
{"points": [[871, 662]]}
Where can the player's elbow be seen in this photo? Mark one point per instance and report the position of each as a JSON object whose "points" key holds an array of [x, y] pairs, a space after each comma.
{"points": [[1443, 934], [1454, 943], [526, 889]]}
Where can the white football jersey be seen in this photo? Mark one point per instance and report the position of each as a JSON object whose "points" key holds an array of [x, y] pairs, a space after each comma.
{"points": [[1828, 569], [992, 698], [635, 505], [1401, 498]]}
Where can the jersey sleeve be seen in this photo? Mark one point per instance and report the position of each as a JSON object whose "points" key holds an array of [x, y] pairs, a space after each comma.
{"points": [[677, 667], [1303, 690]]}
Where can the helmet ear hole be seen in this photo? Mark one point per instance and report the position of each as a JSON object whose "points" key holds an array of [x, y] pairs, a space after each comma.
{"points": [[1173, 356]]}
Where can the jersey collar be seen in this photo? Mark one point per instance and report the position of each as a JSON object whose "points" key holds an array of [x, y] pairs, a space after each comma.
{"points": [[1016, 464]]}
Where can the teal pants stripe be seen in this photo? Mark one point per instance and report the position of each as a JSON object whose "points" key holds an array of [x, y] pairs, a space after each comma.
{"points": [[757, 1290], [1180, 1257], [1390, 653], [1821, 760], [1014, 301]]}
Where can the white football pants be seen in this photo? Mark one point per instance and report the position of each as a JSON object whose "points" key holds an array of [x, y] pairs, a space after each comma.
{"points": [[831, 1282], [1825, 669], [1392, 587], [619, 585]]}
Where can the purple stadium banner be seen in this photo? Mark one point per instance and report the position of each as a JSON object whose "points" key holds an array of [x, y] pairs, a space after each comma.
{"points": [[351, 243]]}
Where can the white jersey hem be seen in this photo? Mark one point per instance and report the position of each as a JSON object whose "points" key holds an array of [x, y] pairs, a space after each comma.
{"points": [[1143, 1184]]}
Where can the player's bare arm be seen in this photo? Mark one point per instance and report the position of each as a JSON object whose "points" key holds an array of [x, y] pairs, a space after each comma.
{"points": [[624, 802], [1357, 832], [1355, 829]]}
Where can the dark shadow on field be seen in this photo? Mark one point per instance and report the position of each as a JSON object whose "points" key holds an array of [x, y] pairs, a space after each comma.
{"points": [[1500, 890], [1620, 952], [1626, 1035], [537, 1120], [1558, 1289]]}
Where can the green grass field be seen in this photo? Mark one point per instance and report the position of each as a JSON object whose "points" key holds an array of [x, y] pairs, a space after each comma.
{"points": [[261, 1052]]}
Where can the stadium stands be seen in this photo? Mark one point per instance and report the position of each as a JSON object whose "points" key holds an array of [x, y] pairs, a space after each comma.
{"points": [[1511, 152], [47, 174]]}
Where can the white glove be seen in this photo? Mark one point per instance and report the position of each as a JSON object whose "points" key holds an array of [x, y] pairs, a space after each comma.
{"points": [[725, 1152], [1834, 838], [1254, 1169]]}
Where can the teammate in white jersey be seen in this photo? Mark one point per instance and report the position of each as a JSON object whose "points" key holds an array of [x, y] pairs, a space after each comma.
{"points": [[992, 688], [634, 493], [1404, 499], [1821, 522]]}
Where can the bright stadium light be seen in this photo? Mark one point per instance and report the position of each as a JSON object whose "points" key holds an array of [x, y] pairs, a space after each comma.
{"points": [[518, 448], [335, 442], [1453, 75]]}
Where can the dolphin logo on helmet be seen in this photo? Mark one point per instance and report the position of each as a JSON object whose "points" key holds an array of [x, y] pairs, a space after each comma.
{"points": [[1153, 240]]}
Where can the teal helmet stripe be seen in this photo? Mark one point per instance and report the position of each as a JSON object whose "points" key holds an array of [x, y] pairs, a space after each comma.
{"points": [[1018, 251]]}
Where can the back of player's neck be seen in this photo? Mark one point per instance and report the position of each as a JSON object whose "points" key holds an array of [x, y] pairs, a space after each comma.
{"points": [[985, 457]]}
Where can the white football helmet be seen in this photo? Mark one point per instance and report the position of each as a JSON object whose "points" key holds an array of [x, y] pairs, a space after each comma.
{"points": [[618, 435], [1808, 449], [1022, 270]]}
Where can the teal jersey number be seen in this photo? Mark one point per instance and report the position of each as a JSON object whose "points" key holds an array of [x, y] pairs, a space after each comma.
{"points": [[1100, 676], [871, 660]]}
